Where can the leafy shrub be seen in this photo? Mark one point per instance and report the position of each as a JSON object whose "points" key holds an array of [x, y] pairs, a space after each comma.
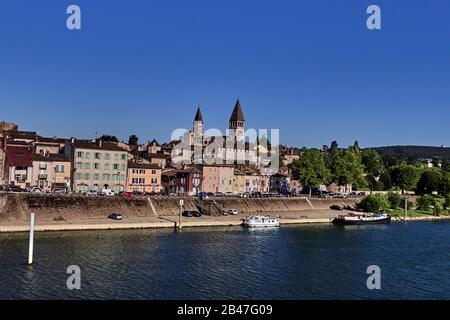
{"points": [[395, 200], [374, 203], [447, 202], [437, 208], [425, 202]]}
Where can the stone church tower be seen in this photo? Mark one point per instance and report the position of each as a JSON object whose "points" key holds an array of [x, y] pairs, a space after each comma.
{"points": [[198, 128], [237, 123]]}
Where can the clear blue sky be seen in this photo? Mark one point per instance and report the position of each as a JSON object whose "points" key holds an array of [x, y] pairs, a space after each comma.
{"points": [[310, 68]]}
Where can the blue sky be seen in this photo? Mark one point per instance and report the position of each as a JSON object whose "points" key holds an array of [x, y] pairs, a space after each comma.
{"points": [[310, 68]]}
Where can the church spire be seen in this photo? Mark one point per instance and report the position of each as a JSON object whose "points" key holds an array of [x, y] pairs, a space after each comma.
{"points": [[198, 115], [237, 114]]}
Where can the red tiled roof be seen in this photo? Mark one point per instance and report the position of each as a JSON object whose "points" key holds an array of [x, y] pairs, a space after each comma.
{"points": [[50, 140], [159, 155], [50, 157], [137, 165], [106, 145], [18, 156]]}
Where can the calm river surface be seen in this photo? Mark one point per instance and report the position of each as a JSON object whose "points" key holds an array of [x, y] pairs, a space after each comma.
{"points": [[292, 262]]}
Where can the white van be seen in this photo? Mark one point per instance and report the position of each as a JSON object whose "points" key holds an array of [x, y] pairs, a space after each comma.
{"points": [[107, 192]]}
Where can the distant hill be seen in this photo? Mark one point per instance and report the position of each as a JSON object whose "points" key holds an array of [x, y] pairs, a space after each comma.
{"points": [[415, 152]]}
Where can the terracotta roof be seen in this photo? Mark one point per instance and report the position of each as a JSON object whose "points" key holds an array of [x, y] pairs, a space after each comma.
{"points": [[137, 165], [172, 172], [51, 140], [18, 156], [159, 155], [105, 145], [50, 157], [237, 114], [28, 135]]}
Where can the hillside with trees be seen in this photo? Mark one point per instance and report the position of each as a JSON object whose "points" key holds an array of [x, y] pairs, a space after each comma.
{"points": [[414, 152]]}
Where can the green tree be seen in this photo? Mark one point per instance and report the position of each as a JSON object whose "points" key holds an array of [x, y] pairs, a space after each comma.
{"points": [[425, 202], [133, 140], [447, 202], [437, 208], [385, 178], [429, 181], [310, 169], [395, 200], [405, 176], [334, 147], [346, 168], [374, 203], [109, 138], [372, 162], [444, 185]]}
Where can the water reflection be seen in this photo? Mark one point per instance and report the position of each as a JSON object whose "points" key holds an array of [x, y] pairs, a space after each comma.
{"points": [[289, 262]]}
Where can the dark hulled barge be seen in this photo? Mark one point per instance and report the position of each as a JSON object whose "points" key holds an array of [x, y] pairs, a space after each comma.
{"points": [[357, 218]]}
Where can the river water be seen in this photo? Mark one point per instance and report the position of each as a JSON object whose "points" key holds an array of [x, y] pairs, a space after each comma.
{"points": [[290, 262]]}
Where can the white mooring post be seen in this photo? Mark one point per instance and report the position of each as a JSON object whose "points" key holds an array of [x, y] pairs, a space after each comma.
{"points": [[406, 208], [181, 212], [30, 245]]}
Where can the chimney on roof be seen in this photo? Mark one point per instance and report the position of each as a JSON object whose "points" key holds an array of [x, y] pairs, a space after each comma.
{"points": [[72, 140], [100, 143]]}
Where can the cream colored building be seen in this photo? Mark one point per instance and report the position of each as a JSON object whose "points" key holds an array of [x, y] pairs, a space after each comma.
{"points": [[248, 180], [51, 171], [97, 165]]}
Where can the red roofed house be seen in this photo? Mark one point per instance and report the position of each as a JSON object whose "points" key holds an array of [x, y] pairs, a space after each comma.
{"points": [[19, 165]]}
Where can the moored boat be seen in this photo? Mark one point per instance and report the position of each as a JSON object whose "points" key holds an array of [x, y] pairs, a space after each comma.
{"points": [[260, 221], [356, 218]]}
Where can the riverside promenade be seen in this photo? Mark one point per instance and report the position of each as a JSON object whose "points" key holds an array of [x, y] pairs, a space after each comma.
{"points": [[77, 212], [299, 217]]}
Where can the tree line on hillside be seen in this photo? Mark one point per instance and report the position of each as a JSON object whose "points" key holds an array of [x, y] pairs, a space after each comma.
{"points": [[365, 169], [414, 152]]}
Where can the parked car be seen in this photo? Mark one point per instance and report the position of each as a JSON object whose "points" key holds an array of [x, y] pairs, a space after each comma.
{"points": [[59, 191], [187, 213], [231, 212], [203, 195], [115, 216], [107, 192], [36, 190], [336, 207], [126, 195], [15, 189], [196, 214], [92, 193]]}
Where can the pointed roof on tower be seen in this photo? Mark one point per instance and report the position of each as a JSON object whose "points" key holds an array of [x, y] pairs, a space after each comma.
{"points": [[237, 114], [198, 115]]}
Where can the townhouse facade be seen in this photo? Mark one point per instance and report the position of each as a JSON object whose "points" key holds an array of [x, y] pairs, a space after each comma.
{"points": [[97, 165], [48, 145], [18, 165], [250, 180], [186, 181], [143, 177], [51, 171]]}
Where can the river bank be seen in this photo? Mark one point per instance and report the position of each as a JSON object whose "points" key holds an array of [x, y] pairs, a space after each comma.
{"points": [[286, 218], [75, 212], [297, 217]]}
